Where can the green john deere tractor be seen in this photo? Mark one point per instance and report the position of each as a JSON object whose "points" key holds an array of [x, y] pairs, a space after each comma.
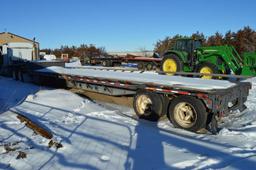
{"points": [[188, 55]]}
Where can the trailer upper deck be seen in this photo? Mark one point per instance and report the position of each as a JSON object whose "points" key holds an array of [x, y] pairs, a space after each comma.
{"points": [[144, 78]]}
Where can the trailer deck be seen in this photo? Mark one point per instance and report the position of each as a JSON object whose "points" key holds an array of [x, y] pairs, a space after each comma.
{"points": [[145, 78]]}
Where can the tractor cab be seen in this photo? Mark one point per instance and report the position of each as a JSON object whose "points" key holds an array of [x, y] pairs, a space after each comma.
{"points": [[188, 45], [182, 56]]}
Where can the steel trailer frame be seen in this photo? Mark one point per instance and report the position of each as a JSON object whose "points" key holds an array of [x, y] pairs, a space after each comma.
{"points": [[217, 101]]}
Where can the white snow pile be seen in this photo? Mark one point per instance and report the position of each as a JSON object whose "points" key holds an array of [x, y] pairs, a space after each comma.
{"points": [[49, 57], [96, 136], [75, 63], [165, 80]]}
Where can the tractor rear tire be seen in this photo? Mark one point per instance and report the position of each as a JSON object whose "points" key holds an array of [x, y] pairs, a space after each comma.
{"points": [[188, 113], [148, 105], [207, 67], [171, 63]]}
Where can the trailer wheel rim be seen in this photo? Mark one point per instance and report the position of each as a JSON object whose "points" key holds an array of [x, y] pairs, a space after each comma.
{"points": [[206, 70], [104, 63], [142, 104], [185, 115], [170, 65], [149, 67], [140, 66]]}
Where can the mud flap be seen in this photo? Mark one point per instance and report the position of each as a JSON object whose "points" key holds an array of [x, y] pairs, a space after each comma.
{"points": [[242, 108], [213, 126]]}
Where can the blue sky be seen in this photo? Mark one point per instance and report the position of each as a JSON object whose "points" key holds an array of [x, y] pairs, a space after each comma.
{"points": [[121, 25]]}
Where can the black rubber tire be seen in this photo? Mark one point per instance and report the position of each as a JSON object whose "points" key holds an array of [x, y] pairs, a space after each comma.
{"points": [[104, 63], [15, 74], [149, 66], [210, 65], [116, 64], [20, 76], [199, 108], [176, 59], [107, 63], [155, 110], [141, 66], [155, 67]]}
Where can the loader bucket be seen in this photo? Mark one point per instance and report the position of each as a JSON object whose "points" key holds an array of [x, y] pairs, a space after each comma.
{"points": [[249, 64]]}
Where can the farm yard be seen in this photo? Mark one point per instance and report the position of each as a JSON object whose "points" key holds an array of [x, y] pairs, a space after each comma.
{"points": [[96, 135], [131, 85]]}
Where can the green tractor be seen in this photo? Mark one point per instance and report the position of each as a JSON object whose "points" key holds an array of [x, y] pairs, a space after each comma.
{"points": [[188, 55]]}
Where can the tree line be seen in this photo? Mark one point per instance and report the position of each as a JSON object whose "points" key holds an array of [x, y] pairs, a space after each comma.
{"points": [[73, 51], [244, 40]]}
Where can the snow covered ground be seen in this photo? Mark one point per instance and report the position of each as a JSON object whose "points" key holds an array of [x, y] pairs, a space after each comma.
{"points": [[97, 135]]}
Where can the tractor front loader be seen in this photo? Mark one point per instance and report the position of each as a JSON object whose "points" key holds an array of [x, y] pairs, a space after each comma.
{"points": [[188, 55]]}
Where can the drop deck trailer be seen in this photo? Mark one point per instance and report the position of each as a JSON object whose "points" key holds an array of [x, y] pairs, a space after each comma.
{"points": [[143, 63], [189, 103]]}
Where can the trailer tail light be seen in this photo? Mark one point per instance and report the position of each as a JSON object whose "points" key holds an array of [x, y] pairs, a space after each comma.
{"points": [[184, 93]]}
